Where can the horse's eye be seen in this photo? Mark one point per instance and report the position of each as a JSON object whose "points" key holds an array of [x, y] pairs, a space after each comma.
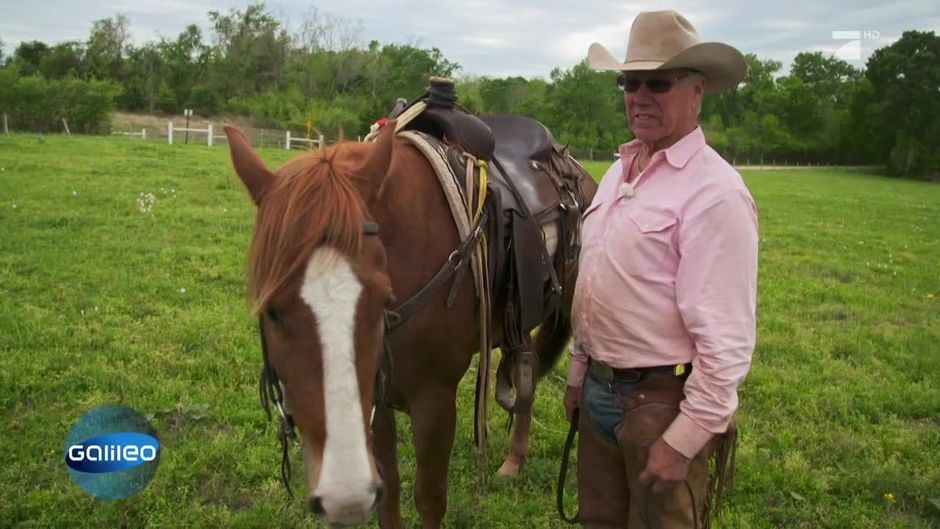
{"points": [[273, 316]]}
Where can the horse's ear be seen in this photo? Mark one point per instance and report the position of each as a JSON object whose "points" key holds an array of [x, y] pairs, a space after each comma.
{"points": [[256, 177], [376, 163]]}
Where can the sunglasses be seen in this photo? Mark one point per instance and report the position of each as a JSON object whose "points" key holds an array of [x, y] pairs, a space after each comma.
{"points": [[658, 85]]}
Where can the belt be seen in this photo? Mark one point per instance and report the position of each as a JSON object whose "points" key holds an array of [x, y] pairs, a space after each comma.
{"points": [[605, 374]]}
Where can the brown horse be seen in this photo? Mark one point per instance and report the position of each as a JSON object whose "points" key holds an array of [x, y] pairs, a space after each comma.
{"points": [[340, 235]]}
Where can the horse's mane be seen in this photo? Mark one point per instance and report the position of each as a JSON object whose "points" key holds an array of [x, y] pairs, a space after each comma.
{"points": [[314, 201]]}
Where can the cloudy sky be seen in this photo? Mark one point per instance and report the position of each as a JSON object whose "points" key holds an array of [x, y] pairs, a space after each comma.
{"points": [[511, 37]]}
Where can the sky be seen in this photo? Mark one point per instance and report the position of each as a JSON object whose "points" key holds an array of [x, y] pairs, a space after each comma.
{"points": [[501, 38]]}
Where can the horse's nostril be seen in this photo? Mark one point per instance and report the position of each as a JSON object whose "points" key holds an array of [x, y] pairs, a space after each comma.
{"points": [[379, 495], [316, 506]]}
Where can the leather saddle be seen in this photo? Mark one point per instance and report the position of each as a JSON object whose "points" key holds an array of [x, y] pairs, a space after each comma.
{"points": [[534, 187]]}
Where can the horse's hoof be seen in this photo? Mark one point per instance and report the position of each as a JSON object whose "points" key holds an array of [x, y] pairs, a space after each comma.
{"points": [[509, 469]]}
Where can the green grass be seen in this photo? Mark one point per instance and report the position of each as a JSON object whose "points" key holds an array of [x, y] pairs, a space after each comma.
{"points": [[842, 405]]}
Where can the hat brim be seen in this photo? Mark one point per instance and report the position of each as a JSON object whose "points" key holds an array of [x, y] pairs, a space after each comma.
{"points": [[723, 65]]}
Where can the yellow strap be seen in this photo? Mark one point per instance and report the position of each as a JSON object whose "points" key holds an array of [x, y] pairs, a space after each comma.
{"points": [[679, 370], [481, 164]]}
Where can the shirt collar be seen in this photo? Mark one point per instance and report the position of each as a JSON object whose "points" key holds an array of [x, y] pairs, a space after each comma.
{"points": [[678, 154]]}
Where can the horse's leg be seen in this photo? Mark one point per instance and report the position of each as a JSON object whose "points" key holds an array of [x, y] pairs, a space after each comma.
{"points": [[550, 341], [433, 422], [519, 436], [386, 454]]}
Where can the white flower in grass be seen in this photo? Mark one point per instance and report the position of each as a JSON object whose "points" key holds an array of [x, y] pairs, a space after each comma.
{"points": [[74, 193], [182, 290], [145, 202], [14, 206]]}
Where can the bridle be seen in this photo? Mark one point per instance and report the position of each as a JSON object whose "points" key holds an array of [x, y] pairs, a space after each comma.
{"points": [[270, 385], [271, 392]]}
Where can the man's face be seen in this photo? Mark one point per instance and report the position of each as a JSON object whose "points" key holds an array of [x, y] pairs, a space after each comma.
{"points": [[660, 118]]}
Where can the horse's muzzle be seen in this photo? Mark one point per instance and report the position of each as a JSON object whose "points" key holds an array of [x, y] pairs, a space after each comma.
{"points": [[346, 509]]}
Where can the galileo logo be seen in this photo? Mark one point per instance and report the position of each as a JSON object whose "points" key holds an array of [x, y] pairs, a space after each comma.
{"points": [[112, 452]]}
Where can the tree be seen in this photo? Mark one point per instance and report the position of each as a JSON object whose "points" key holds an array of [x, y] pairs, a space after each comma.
{"points": [[145, 70], [827, 78], [251, 50], [585, 108], [28, 56], [62, 60], [185, 62], [906, 80], [106, 48]]}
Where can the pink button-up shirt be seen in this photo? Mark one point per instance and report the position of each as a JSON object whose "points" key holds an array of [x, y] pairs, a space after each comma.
{"points": [[668, 275]]}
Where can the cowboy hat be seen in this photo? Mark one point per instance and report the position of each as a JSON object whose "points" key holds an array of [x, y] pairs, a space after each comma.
{"points": [[664, 40]]}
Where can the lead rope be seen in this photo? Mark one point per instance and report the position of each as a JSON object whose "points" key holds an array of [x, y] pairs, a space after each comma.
{"points": [[269, 388], [563, 472]]}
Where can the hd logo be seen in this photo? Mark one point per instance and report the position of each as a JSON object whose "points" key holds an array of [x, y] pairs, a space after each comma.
{"points": [[112, 452]]}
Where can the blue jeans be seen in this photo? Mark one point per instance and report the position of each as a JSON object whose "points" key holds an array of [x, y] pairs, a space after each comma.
{"points": [[605, 408]]}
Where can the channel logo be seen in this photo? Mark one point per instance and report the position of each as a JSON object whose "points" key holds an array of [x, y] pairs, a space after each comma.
{"points": [[112, 452]]}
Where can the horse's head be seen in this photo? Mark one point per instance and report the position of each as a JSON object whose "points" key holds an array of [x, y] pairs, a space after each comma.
{"points": [[318, 279]]}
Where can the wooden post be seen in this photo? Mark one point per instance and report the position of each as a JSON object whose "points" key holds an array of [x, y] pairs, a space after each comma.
{"points": [[262, 138], [169, 132], [210, 135], [143, 133], [320, 141], [6, 127], [66, 125], [287, 141]]}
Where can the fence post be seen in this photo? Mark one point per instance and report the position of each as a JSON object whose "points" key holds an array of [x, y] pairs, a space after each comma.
{"points": [[262, 138], [320, 142], [210, 135], [143, 133], [287, 141], [66, 125], [6, 128], [169, 132]]}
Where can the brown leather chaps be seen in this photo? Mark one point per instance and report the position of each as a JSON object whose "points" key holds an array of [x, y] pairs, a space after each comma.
{"points": [[609, 493]]}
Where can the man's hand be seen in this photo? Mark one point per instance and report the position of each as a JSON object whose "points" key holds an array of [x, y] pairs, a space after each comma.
{"points": [[572, 398], [665, 467]]}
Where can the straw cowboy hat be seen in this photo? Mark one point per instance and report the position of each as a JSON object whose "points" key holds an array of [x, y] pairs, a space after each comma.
{"points": [[662, 40]]}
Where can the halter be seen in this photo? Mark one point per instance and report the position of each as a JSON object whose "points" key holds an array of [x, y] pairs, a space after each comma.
{"points": [[270, 391]]}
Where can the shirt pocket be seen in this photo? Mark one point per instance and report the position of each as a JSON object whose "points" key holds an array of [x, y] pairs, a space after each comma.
{"points": [[644, 239]]}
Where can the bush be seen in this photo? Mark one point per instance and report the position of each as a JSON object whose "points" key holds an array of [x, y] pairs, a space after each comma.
{"points": [[35, 104]]}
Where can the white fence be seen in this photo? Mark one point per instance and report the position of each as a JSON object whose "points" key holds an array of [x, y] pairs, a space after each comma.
{"points": [[207, 131], [142, 133], [310, 143]]}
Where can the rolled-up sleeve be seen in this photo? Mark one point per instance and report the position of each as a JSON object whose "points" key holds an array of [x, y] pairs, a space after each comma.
{"points": [[716, 292], [578, 365]]}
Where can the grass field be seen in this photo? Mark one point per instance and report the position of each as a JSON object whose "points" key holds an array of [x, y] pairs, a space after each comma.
{"points": [[121, 281]]}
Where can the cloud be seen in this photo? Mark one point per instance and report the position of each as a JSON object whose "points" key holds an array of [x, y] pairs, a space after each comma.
{"points": [[506, 37]]}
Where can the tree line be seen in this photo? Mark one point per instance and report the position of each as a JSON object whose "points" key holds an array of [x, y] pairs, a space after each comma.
{"points": [[823, 111]]}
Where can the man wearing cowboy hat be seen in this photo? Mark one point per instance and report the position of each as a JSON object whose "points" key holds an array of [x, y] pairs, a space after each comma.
{"points": [[664, 309]]}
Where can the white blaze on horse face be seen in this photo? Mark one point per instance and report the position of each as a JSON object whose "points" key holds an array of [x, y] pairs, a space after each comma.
{"points": [[332, 291]]}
